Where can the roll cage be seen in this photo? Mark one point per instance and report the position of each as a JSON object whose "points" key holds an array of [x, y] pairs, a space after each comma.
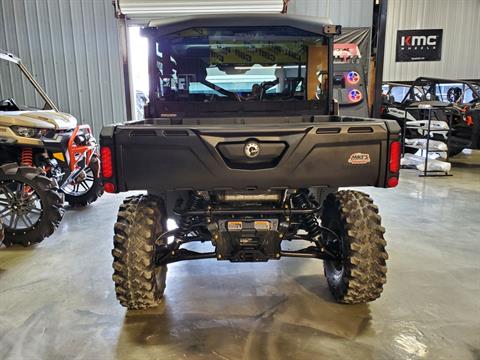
{"points": [[6, 56], [433, 89]]}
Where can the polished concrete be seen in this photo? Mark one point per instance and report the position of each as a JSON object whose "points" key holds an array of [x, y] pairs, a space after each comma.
{"points": [[57, 300]]}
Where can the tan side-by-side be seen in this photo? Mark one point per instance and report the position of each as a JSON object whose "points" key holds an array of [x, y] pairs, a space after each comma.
{"points": [[45, 156]]}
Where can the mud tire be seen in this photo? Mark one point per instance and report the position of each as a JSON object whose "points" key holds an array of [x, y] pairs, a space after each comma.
{"points": [[52, 201], [139, 284], [93, 193], [354, 218]]}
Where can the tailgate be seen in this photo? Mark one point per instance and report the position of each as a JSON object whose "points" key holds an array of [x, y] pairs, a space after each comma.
{"points": [[206, 157]]}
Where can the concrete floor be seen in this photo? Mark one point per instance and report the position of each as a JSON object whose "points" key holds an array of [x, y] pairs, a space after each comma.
{"points": [[57, 300]]}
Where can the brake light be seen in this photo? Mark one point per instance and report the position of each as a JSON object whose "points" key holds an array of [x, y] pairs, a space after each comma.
{"points": [[392, 182], [107, 165], [394, 160], [109, 187]]}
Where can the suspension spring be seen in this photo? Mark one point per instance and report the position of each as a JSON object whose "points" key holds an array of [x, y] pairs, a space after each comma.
{"points": [[26, 157], [195, 202], [300, 200]]}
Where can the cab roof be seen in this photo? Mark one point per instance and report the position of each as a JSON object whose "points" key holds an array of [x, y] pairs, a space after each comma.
{"points": [[170, 25]]}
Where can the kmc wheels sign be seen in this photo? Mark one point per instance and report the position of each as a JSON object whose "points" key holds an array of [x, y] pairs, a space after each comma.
{"points": [[419, 45]]}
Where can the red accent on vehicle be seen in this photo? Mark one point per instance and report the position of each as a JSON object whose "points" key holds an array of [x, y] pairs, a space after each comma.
{"points": [[469, 120], [392, 182], [109, 187], [76, 152], [27, 156], [395, 153], [107, 165]]}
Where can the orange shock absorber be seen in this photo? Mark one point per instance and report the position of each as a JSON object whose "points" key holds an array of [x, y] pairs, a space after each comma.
{"points": [[27, 156]]}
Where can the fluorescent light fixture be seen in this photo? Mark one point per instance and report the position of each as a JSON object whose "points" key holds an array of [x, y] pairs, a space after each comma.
{"points": [[159, 8]]}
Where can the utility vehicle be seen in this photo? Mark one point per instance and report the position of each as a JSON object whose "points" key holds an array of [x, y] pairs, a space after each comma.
{"points": [[458, 100], [243, 148], [44, 141]]}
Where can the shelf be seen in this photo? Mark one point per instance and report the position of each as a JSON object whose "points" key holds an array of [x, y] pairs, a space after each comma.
{"points": [[429, 151], [426, 129]]}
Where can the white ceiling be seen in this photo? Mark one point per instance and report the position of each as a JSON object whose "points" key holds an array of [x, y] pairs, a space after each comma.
{"points": [[141, 12]]}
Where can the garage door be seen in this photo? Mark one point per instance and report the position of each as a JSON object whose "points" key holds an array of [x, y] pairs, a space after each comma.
{"points": [[141, 12]]}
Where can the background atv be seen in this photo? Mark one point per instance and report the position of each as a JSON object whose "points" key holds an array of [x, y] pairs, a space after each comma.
{"points": [[49, 157], [459, 100], [52, 141]]}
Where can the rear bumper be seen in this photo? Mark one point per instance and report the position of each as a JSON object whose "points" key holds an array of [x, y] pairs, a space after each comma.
{"points": [[330, 154]]}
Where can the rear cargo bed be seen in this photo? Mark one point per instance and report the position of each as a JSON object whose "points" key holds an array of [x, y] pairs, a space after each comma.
{"points": [[292, 154]]}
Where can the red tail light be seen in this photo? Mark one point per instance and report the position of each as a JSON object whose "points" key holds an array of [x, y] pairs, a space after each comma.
{"points": [[392, 182], [394, 160], [107, 165], [109, 187], [394, 163]]}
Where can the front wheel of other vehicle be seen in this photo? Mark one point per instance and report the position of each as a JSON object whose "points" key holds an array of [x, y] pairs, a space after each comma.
{"points": [[359, 275], [30, 205], [88, 186], [139, 282]]}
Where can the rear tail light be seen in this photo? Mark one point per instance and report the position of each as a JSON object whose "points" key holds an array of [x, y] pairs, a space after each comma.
{"points": [[395, 153], [392, 182], [107, 165], [109, 187], [394, 163]]}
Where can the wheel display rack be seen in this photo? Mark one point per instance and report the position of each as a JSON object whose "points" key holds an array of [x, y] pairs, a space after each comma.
{"points": [[425, 133]]}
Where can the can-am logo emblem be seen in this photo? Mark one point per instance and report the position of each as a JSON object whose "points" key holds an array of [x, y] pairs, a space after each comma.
{"points": [[252, 149], [359, 159]]}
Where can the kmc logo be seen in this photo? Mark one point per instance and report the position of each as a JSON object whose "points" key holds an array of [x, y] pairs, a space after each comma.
{"points": [[418, 40]]}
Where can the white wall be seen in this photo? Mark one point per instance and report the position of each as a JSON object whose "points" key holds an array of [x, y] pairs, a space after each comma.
{"points": [[72, 49], [348, 13], [460, 21]]}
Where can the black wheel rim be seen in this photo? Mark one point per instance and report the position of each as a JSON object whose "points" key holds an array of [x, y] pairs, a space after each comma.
{"points": [[20, 206], [337, 266], [82, 187]]}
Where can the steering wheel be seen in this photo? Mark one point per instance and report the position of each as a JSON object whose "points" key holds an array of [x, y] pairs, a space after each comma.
{"points": [[454, 94], [8, 105], [265, 85]]}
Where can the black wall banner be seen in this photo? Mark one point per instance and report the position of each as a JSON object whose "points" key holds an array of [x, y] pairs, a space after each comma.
{"points": [[419, 45]]}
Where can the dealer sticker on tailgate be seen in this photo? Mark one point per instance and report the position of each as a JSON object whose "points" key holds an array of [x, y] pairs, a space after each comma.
{"points": [[359, 159]]}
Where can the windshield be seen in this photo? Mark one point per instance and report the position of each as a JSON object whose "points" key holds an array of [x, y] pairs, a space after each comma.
{"points": [[241, 64]]}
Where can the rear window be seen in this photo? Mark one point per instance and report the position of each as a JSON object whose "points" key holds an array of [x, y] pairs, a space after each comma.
{"points": [[240, 64]]}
